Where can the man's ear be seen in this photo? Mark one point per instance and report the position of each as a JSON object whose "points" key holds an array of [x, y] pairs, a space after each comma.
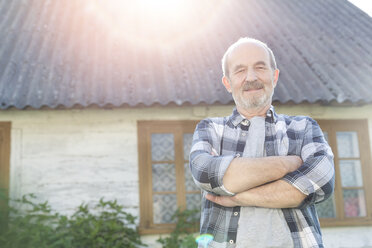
{"points": [[226, 83], [276, 77]]}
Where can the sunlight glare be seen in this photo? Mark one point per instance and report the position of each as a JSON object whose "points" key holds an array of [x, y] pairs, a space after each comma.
{"points": [[153, 22], [155, 8], [163, 6]]}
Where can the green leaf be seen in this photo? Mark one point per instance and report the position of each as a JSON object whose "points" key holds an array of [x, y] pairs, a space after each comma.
{"points": [[39, 227]]}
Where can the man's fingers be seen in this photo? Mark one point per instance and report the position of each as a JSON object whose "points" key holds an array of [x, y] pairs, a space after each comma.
{"points": [[214, 152], [213, 198], [225, 201], [210, 197]]}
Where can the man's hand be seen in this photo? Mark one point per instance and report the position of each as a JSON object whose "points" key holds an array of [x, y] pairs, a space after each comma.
{"points": [[226, 201]]}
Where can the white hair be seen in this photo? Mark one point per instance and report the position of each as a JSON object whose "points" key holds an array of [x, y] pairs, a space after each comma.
{"points": [[225, 67]]}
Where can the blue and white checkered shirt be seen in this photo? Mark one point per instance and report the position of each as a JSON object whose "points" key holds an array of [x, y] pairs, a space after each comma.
{"points": [[284, 135]]}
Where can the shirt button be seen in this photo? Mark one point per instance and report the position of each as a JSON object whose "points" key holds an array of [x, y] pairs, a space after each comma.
{"points": [[244, 134], [245, 122], [236, 213], [231, 241]]}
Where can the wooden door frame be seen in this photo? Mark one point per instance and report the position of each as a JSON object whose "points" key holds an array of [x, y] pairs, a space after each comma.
{"points": [[5, 128]]}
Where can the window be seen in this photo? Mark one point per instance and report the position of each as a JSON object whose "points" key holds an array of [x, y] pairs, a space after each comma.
{"points": [[164, 175], [351, 201], [4, 168]]}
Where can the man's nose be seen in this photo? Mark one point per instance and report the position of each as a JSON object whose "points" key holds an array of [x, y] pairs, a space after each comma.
{"points": [[251, 76]]}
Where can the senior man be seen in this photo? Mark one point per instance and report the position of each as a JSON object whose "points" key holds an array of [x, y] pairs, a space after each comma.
{"points": [[260, 172]]}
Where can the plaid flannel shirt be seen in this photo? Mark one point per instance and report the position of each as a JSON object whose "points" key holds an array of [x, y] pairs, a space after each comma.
{"points": [[217, 141]]}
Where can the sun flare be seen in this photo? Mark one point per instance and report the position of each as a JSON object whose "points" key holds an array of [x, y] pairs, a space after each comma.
{"points": [[153, 22]]}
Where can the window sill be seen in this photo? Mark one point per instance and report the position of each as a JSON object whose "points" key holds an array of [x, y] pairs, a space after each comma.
{"points": [[349, 222]]}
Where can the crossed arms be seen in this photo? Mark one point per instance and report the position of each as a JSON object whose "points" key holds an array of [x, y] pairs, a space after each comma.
{"points": [[247, 177], [271, 182]]}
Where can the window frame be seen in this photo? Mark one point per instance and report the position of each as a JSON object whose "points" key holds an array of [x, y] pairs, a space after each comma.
{"points": [[360, 126], [144, 131]]}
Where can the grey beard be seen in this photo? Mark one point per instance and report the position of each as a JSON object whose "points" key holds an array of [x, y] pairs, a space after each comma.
{"points": [[253, 103]]}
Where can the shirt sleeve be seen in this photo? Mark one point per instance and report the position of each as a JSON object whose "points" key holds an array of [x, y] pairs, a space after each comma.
{"points": [[207, 167], [315, 177]]}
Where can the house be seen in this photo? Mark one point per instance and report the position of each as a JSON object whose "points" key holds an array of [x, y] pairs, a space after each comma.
{"points": [[101, 99]]}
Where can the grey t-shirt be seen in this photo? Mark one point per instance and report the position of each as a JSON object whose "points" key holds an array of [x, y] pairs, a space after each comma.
{"points": [[260, 227]]}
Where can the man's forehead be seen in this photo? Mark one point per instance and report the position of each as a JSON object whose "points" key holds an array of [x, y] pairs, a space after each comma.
{"points": [[250, 49]]}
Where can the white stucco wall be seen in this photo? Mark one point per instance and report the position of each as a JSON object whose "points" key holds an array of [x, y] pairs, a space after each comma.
{"points": [[71, 156]]}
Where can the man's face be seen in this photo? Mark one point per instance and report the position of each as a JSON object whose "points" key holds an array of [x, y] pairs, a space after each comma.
{"points": [[251, 79]]}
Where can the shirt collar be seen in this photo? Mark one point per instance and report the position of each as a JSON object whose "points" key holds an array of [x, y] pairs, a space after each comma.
{"points": [[236, 118]]}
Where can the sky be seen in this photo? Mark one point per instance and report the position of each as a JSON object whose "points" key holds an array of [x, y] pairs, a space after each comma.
{"points": [[365, 5]]}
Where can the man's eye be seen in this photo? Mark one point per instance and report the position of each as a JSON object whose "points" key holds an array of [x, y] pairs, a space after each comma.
{"points": [[240, 70], [261, 67]]}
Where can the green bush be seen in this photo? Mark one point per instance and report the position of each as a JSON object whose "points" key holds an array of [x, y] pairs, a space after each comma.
{"points": [[38, 227], [183, 235], [3, 209]]}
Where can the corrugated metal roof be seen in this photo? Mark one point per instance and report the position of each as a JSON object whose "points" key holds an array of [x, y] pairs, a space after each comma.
{"points": [[68, 53]]}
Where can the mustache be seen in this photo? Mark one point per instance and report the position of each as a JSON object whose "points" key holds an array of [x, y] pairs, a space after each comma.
{"points": [[253, 85]]}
